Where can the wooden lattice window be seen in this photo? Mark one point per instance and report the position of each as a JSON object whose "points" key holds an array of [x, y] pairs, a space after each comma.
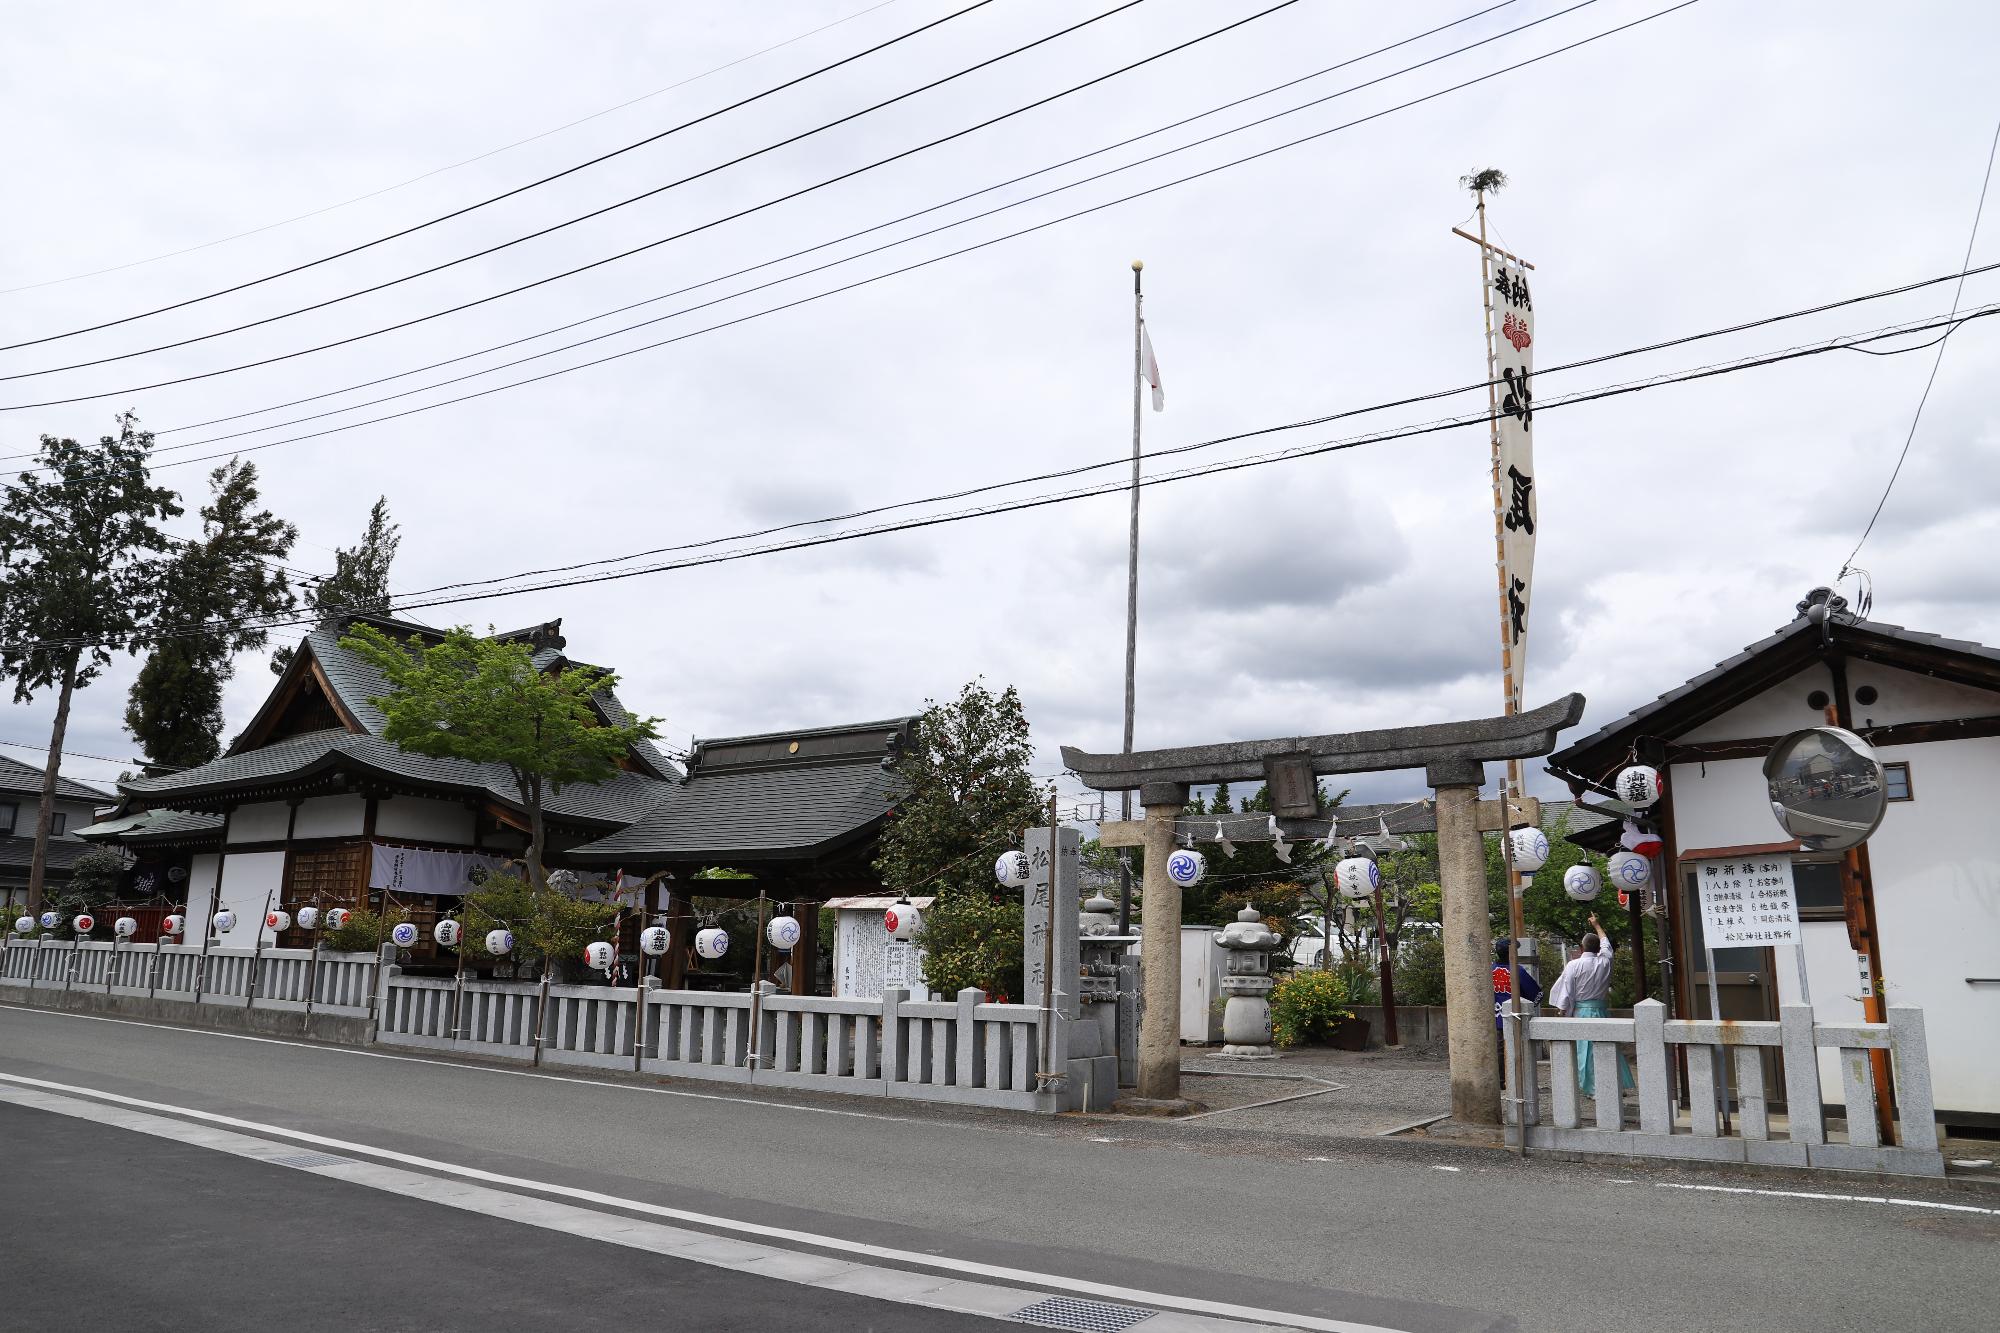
{"points": [[325, 877]]}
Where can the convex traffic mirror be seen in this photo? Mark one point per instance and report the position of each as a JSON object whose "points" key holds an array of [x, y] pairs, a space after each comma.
{"points": [[1826, 788]]}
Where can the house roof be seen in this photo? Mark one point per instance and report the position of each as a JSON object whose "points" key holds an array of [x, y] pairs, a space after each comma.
{"points": [[17, 854], [157, 828], [16, 776], [1769, 661], [779, 796]]}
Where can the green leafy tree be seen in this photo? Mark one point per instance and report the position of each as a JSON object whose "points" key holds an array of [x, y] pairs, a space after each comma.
{"points": [[230, 578], [360, 578], [365, 930], [551, 925], [97, 876], [970, 797], [81, 573], [483, 701]]}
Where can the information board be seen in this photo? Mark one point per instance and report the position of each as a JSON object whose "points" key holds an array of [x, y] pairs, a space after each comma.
{"points": [[1748, 902]]}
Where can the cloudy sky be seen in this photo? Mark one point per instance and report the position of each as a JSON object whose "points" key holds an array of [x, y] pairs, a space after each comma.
{"points": [[1734, 159]]}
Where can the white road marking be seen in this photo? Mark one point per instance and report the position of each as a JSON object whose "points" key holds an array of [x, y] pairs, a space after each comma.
{"points": [[476, 1068], [37, 1092], [1444, 1168], [1833, 1198]]}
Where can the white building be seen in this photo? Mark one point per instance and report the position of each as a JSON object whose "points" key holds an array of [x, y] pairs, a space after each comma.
{"points": [[1931, 708]]}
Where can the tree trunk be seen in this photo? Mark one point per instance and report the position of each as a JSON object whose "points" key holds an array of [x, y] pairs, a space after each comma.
{"points": [[39, 865], [531, 793]]}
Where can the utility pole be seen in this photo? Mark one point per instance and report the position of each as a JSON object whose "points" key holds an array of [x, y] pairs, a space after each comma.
{"points": [[1132, 591]]}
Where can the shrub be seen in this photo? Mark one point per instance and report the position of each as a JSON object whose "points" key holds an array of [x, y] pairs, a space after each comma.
{"points": [[1420, 971], [972, 938], [1307, 1005], [364, 932]]}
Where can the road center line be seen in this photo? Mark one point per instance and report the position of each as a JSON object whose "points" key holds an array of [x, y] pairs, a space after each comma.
{"points": [[1831, 1198]]}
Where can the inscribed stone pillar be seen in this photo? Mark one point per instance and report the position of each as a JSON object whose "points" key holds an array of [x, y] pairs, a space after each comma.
{"points": [[1160, 946], [1061, 870], [1468, 946]]}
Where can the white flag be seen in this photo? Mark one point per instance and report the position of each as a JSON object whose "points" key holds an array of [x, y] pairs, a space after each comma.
{"points": [[1511, 315], [1150, 367]]}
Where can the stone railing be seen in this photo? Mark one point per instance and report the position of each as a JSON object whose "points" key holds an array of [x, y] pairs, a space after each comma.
{"points": [[1719, 1054], [298, 979]]}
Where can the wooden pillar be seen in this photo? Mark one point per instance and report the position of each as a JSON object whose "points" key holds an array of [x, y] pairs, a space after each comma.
{"points": [[680, 931], [805, 954]]}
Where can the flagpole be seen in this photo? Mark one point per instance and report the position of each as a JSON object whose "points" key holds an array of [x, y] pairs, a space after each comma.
{"points": [[1132, 590]]}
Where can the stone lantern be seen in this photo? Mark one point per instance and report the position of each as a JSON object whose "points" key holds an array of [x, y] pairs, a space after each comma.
{"points": [[1246, 1019]]}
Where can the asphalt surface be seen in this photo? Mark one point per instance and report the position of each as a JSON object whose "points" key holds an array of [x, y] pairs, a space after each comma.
{"points": [[1458, 1239]]}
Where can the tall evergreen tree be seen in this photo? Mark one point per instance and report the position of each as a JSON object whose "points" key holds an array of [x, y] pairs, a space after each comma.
{"points": [[360, 578], [81, 569], [223, 580]]}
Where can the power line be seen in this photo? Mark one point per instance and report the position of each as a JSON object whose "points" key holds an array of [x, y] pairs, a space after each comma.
{"points": [[78, 754], [862, 254], [936, 259], [519, 189], [453, 166], [621, 255], [1478, 418], [1984, 182]]}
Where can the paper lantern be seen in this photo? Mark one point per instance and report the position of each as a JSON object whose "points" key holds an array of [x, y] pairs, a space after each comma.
{"points": [[783, 932], [125, 927], [336, 917], [1358, 878], [1629, 870], [653, 941], [903, 921], [1638, 786], [404, 934], [598, 953], [711, 943], [1012, 869], [1186, 867], [50, 920], [24, 924], [499, 942], [308, 918], [447, 932], [173, 925], [84, 923], [278, 920], [1531, 850], [1636, 839], [1582, 883], [225, 921]]}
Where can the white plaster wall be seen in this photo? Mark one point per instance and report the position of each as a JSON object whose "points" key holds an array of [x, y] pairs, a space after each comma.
{"points": [[1905, 697], [421, 820], [266, 822], [1836, 989], [330, 816], [246, 878], [1722, 803], [200, 894]]}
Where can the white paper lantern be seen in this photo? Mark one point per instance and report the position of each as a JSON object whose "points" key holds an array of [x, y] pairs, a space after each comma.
{"points": [[783, 932], [1012, 869], [499, 942], [225, 921], [125, 927], [711, 943], [1581, 883], [308, 918], [278, 920], [24, 924], [903, 921], [447, 933], [84, 923], [1531, 850], [1358, 878], [1186, 867], [598, 954], [404, 934], [1629, 870], [654, 940], [336, 917], [173, 925], [50, 920], [1638, 786]]}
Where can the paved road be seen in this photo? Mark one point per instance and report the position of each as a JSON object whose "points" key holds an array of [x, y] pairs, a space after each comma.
{"points": [[1399, 1240]]}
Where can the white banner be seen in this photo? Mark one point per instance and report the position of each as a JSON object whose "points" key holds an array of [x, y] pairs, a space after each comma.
{"points": [[1748, 902], [416, 870], [1510, 314]]}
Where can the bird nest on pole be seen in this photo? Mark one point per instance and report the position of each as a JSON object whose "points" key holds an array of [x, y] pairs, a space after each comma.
{"points": [[1492, 179]]}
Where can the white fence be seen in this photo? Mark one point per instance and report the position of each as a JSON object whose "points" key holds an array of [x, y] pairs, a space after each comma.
{"points": [[965, 1051], [1718, 1053], [318, 981]]}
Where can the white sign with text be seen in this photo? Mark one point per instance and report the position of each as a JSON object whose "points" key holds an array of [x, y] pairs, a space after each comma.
{"points": [[1748, 902]]}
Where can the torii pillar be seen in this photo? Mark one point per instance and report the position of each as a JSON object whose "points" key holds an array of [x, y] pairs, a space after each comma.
{"points": [[1468, 941], [1160, 947]]}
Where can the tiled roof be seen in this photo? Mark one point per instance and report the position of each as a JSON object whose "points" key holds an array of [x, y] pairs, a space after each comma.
{"points": [[16, 776], [19, 853], [776, 812], [156, 826]]}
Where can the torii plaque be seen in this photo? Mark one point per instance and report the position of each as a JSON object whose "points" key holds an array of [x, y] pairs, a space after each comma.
{"points": [[1452, 755]]}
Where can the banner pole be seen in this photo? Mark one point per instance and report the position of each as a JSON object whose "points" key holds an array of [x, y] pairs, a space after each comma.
{"points": [[1132, 589]]}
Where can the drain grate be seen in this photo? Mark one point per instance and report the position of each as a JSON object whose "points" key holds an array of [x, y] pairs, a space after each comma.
{"points": [[1084, 1316], [314, 1159]]}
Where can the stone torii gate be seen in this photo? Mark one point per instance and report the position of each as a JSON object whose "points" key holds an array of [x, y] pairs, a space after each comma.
{"points": [[1453, 756]]}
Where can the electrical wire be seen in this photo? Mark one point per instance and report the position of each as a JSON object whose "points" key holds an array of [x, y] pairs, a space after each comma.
{"points": [[78, 754], [519, 189], [607, 259], [452, 166], [865, 231], [1978, 211], [1480, 418]]}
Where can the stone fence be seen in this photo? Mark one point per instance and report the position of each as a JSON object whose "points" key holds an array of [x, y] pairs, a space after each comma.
{"points": [[304, 980], [1715, 1051]]}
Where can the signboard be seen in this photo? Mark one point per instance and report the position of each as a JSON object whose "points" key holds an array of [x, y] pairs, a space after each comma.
{"points": [[866, 960], [1510, 320], [1748, 902], [1062, 880]]}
